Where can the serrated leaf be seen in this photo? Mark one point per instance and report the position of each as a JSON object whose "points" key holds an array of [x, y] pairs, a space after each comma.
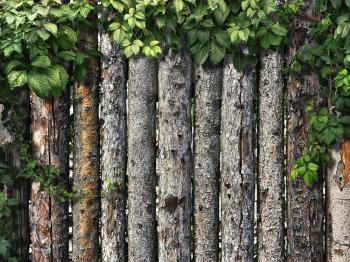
{"points": [[223, 38], [202, 55], [39, 84], [217, 53], [52, 28], [17, 78], [41, 61], [13, 64], [67, 55]]}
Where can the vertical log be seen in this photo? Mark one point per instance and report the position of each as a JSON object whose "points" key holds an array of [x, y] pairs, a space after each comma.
{"points": [[49, 215], [59, 157], [207, 163], [20, 189], [338, 200], [142, 95], [175, 137], [271, 159], [40, 212], [113, 151], [86, 210], [305, 204], [238, 171], [305, 214]]}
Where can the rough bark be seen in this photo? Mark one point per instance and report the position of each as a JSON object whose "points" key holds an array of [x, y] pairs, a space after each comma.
{"points": [[49, 215], [113, 151], [271, 159], [305, 204], [238, 171], [142, 97], [20, 190], [59, 157], [207, 163], [338, 196], [175, 155], [86, 209], [40, 211]]}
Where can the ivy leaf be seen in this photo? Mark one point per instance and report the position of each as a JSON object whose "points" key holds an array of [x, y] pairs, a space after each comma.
{"points": [[39, 84], [41, 61], [336, 3], [178, 5], [202, 55], [217, 53], [52, 28], [17, 78]]}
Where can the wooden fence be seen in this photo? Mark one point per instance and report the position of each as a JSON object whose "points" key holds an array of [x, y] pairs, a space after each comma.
{"points": [[177, 163]]}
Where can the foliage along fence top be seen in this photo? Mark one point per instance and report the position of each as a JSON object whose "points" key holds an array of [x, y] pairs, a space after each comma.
{"points": [[184, 155]]}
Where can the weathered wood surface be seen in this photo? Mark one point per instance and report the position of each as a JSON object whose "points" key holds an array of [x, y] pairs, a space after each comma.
{"points": [[20, 190], [86, 209], [305, 204], [238, 168], [338, 204], [113, 151], [175, 135], [271, 203], [40, 215], [208, 88], [142, 97]]}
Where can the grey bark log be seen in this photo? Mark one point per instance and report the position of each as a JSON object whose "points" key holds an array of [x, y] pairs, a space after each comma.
{"points": [[271, 159], [59, 157], [305, 204], [338, 199], [86, 209], [113, 151], [175, 137], [40, 211], [238, 171], [207, 163], [20, 189], [142, 97]]}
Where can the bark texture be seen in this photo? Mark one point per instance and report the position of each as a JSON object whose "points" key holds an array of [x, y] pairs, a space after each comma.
{"points": [[175, 154], [142, 97], [338, 196], [49, 215], [113, 151], [238, 171], [271, 159], [305, 204], [40, 212], [207, 163], [86, 209], [59, 157], [20, 190]]}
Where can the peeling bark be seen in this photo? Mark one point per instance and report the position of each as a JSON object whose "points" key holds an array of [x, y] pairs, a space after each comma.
{"points": [[86, 209], [113, 151], [271, 159], [207, 163], [20, 190], [142, 97], [175, 155], [40, 211], [338, 199], [238, 171], [305, 204]]}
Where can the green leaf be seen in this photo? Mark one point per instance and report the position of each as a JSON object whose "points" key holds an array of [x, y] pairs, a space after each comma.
{"points": [[43, 34], [39, 84], [277, 29], [223, 38], [41, 61], [118, 36], [67, 55], [178, 5], [217, 53], [17, 78], [202, 55], [13, 64], [79, 73], [336, 3], [52, 28]]}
